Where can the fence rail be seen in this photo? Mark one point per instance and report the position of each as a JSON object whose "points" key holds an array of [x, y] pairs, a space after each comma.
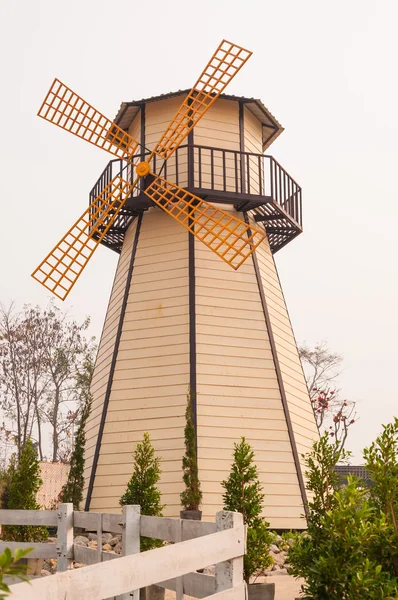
{"points": [[195, 545]]}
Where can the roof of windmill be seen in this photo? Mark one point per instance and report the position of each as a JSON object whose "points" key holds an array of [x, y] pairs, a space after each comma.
{"points": [[271, 126]]}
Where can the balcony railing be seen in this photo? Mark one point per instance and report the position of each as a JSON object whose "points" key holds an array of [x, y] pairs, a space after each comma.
{"points": [[246, 180]]}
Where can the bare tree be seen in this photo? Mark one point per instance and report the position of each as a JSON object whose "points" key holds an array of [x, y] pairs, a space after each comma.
{"points": [[332, 412], [42, 356]]}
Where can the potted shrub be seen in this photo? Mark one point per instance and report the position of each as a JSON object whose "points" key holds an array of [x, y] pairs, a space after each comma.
{"points": [[142, 489], [191, 497], [243, 493]]}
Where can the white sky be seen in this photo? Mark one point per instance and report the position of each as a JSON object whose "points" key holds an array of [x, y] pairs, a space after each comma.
{"points": [[327, 70]]}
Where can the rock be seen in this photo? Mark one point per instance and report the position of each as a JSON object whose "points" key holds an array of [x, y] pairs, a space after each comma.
{"points": [[211, 570], [77, 565], [118, 548], [106, 537], [115, 540], [52, 540], [273, 548], [45, 573], [275, 573], [93, 537], [279, 559], [92, 544], [107, 548], [81, 540]]}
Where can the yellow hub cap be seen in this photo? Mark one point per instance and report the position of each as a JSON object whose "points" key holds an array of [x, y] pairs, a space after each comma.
{"points": [[143, 169]]}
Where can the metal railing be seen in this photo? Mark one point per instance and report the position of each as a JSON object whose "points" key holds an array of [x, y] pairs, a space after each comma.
{"points": [[205, 169]]}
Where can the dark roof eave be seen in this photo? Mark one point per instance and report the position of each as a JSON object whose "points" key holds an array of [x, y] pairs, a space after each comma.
{"points": [[278, 129]]}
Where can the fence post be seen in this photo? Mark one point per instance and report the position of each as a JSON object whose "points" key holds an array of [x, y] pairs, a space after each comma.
{"points": [[179, 580], [65, 536], [131, 539], [229, 573], [99, 537]]}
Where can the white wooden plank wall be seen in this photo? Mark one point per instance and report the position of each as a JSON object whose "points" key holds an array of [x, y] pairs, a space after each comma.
{"points": [[158, 116], [303, 422], [254, 144], [218, 128], [105, 351], [152, 370], [237, 389]]}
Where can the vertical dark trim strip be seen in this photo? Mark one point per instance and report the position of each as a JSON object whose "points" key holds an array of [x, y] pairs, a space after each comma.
{"points": [[113, 364], [192, 303], [192, 328], [280, 380], [242, 146], [142, 140]]}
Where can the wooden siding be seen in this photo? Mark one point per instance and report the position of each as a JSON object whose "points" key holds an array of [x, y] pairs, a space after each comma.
{"points": [[302, 417], [105, 351], [237, 390], [218, 128], [253, 140], [151, 377], [158, 116]]}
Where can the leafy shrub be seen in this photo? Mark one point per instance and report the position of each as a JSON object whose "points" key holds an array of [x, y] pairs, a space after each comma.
{"points": [[243, 493], [350, 548], [10, 565]]}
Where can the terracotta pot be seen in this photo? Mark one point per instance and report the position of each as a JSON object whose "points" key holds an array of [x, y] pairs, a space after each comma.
{"points": [[192, 515], [261, 591], [152, 592]]}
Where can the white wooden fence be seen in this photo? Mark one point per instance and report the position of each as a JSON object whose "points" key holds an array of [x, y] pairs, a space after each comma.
{"points": [[196, 544]]}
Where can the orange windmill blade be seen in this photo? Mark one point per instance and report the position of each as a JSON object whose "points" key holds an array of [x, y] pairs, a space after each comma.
{"points": [[226, 235], [62, 267], [67, 110], [225, 63], [229, 237]]}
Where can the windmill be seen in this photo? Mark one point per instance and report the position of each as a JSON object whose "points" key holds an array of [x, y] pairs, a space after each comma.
{"points": [[175, 295]]}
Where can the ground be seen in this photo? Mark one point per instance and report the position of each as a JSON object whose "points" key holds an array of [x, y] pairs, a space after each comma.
{"points": [[286, 588]]}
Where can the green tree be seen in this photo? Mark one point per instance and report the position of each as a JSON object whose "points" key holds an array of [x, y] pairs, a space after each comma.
{"points": [[243, 493], [142, 487], [24, 483], [191, 497], [42, 354]]}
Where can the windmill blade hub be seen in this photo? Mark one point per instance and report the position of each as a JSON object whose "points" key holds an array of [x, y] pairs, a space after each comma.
{"points": [[143, 169]]}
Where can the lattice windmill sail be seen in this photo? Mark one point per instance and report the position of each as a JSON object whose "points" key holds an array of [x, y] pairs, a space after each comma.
{"points": [[182, 206], [227, 236]]}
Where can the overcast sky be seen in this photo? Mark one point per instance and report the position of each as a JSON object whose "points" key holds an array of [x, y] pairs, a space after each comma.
{"points": [[326, 70]]}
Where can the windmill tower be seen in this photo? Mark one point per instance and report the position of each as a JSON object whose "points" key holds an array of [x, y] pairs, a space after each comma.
{"points": [[179, 318]]}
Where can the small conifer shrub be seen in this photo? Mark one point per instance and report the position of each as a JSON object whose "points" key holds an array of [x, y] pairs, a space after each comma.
{"points": [[244, 494], [72, 491], [142, 487], [191, 497], [24, 482]]}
